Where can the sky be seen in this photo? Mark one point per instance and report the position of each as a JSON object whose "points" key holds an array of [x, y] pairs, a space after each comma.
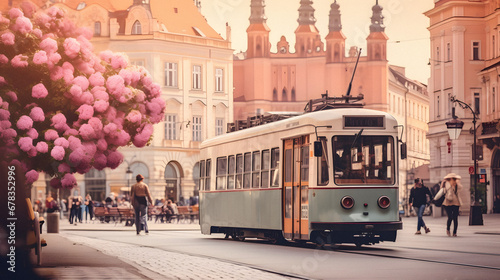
{"points": [[406, 26]]}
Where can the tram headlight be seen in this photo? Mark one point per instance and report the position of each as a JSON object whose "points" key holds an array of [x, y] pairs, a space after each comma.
{"points": [[347, 202], [384, 202]]}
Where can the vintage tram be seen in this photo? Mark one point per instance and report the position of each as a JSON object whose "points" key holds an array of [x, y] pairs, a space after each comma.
{"points": [[329, 176]]}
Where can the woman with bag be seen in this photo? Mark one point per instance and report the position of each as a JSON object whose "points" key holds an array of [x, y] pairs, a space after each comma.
{"points": [[451, 189]]}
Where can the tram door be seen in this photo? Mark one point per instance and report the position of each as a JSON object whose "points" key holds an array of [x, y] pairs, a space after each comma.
{"points": [[296, 177]]}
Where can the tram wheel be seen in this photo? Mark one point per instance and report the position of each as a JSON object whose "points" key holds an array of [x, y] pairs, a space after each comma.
{"points": [[358, 244]]}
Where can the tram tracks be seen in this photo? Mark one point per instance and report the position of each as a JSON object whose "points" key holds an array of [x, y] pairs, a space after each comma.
{"points": [[429, 255]]}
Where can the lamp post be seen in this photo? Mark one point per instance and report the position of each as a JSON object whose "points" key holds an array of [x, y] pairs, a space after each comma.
{"points": [[454, 128], [129, 177]]}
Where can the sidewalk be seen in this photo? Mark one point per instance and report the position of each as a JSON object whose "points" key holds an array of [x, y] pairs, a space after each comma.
{"points": [[63, 259]]}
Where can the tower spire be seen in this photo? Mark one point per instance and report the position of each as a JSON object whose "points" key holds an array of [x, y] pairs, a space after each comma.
{"points": [[306, 13], [377, 19], [335, 23], [257, 15]]}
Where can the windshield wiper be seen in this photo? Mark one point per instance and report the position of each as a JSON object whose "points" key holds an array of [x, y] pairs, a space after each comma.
{"points": [[356, 136]]}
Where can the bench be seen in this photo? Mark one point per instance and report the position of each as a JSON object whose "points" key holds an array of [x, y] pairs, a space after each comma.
{"points": [[127, 215], [188, 212]]}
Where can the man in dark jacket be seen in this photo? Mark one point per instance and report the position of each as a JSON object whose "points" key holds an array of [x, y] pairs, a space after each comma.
{"points": [[418, 199]]}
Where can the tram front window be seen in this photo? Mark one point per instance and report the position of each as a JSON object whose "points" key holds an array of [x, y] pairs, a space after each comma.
{"points": [[365, 160]]}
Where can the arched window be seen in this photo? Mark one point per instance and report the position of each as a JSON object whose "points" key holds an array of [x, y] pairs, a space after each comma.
{"points": [[136, 28], [97, 28], [284, 95], [172, 180], [294, 98], [275, 95]]}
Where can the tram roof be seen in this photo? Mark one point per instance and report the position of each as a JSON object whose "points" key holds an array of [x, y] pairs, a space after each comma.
{"points": [[332, 117]]}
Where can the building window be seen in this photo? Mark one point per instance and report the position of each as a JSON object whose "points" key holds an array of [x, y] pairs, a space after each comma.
{"points": [[197, 128], [219, 126], [438, 106], [275, 95], [450, 104], [196, 77], [475, 51], [136, 28], [81, 6], [493, 46], [437, 55], [137, 62], [170, 127], [493, 100], [448, 52], [284, 96], [219, 80], [294, 98], [170, 74], [477, 103], [97, 28]]}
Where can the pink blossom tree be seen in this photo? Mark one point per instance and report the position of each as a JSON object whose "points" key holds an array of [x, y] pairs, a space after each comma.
{"points": [[64, 109]]}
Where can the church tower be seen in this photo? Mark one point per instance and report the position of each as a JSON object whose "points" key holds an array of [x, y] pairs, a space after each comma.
{"points": [[258, 31], [335, 40], [377, 40], [307, 38]]}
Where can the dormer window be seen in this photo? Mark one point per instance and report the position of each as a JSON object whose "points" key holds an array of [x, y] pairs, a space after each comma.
{"points": [[137, 28], [81, 6]]}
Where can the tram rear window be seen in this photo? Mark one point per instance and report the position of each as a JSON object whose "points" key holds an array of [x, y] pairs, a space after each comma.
{"points": [[363, 160]]}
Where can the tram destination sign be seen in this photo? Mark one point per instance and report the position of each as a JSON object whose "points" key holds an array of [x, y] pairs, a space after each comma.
{"points": [[363, 121]]}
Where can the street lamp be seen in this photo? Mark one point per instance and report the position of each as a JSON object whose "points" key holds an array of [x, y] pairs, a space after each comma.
{"points": [[454, 128], [129, 177]]}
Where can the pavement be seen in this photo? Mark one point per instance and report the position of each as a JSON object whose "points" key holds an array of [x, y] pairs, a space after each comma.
{"points": [[64, 258]]}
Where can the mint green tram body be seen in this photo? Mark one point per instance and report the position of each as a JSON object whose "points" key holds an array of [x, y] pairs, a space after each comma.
{"points": [[324, 177]]}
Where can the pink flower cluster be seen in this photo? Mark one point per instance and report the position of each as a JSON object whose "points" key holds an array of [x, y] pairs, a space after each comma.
{"points": [[80, 108]]}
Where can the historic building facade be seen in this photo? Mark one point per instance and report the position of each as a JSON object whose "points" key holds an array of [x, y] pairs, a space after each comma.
{"points": [[267, 82], [465, 60], [191, 62]]}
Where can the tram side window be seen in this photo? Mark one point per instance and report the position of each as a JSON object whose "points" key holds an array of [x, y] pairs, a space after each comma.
{"points": [[207, 178], [323, 176], [247, 176], [288, 167], [230, 172], [304, 165], [264, 175], [275, 174], [202, 175], [220, 180], [255, 169], [239, 171]]}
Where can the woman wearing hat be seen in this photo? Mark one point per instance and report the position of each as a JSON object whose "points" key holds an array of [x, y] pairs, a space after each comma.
{"points": [[451, 189], [140, 196]]}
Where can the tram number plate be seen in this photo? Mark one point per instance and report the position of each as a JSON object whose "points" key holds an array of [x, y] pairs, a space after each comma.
{"points": [[364, 121]]}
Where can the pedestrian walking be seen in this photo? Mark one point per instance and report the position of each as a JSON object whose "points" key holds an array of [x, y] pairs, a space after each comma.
{"points": [[140, 196], [418, 199], [451, 189], [89, 208]]}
